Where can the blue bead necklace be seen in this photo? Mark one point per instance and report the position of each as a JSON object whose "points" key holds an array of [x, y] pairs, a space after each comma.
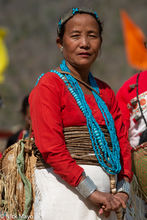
{"points": [[99, 143]]}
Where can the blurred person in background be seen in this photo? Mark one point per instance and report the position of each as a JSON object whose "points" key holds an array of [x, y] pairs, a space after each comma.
{"points": [[132, 100], [23, 132]]}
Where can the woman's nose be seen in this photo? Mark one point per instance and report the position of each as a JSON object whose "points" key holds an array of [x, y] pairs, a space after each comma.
{"points": [[84, 42]]}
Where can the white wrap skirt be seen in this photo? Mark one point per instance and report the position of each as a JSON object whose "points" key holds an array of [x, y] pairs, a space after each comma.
{"points": [[56, 200]]}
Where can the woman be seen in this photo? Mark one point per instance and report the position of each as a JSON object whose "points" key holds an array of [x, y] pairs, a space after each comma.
{"points": [[77, 185]]}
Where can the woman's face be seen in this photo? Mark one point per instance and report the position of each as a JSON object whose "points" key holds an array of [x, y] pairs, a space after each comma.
{"points": [[81, 41]]}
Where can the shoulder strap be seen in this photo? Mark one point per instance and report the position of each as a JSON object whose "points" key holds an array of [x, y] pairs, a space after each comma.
{"points": [[81, 81], [137, 80]]}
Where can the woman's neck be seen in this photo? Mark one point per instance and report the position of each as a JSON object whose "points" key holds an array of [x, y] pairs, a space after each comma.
{"points": [[78, 73], [81, 73]]}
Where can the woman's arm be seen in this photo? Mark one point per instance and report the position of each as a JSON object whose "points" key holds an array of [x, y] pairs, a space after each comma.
{"points": [[47, 124]]}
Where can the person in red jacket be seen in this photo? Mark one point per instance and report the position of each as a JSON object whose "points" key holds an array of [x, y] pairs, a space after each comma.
{"points": [[78, 130], [132, 100], [134, 119]]}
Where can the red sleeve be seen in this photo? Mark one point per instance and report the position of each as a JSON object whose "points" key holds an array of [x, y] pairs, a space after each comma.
{"points": [[20, 136], [0, 155], [45, 110], [125, 148], [122, 102]]}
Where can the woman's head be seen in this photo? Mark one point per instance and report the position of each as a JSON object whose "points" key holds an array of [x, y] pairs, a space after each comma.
{"points": [[80, 38], [25, 105], [70, 14], [25, 110]]}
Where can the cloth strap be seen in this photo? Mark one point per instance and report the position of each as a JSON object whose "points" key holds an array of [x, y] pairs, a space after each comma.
{"points": [[27, 184], [81, 81], [137, 88]]}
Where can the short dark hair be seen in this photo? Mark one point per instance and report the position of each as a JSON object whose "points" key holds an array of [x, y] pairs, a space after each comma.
{"points": [[25, 104]]}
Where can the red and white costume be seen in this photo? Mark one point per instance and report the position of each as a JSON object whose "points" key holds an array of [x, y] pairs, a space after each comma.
{"points": [[127, 99], [52, 107]]}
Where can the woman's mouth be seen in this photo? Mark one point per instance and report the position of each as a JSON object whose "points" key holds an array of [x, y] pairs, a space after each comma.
{"points": [[84, 54]]}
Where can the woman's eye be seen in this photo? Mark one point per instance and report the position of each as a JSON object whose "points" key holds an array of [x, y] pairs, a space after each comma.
{"points": [[92, 35], [75, 35]]}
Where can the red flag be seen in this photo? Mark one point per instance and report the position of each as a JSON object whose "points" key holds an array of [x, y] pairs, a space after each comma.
{"points": [[134, 43]]}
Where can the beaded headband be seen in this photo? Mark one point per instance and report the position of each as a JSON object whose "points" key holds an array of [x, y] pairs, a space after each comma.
{"points": [[71, 13]]}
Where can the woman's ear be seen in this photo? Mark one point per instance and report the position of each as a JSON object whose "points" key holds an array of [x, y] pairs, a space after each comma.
{"points": [[59, 43]]}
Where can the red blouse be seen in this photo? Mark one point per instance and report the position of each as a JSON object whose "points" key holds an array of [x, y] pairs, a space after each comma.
{"points": [[52, 107]]}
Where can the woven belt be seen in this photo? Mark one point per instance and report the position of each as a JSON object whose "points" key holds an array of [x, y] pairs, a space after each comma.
{"points": [[79, 145]]}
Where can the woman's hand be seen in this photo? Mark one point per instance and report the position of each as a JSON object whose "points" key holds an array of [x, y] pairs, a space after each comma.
{"points": [[123, 198], [106, 202]]}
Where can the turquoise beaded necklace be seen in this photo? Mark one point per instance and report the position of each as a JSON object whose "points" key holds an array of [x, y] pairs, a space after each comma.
{"points": [[97, 137]]}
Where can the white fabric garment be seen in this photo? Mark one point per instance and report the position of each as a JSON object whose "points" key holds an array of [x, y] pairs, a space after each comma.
{"points": [[136, 206], [135, 130], [137, 124], [56, 200]]}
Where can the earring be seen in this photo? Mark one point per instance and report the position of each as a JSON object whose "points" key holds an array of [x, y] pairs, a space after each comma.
{"points": [[61, 49]]}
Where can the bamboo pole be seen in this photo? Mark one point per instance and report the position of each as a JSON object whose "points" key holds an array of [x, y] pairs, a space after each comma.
{"points": [[119, 212]]}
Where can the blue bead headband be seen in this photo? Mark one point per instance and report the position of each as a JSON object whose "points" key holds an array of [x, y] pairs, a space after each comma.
{"points": [[71, 13]]}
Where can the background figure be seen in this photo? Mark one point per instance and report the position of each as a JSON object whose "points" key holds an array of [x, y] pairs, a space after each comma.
{"points": [[65, 109], [132, 99], [25, 111], [127, 99]]}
